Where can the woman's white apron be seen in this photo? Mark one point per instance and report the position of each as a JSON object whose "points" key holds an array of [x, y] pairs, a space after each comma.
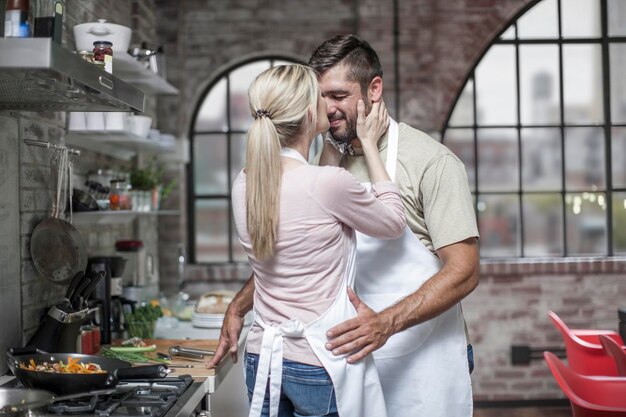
{"points": [[423, 370], [357, 387]]}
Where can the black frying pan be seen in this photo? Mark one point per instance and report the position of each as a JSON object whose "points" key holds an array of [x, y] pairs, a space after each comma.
{"points": [[63, 384]]}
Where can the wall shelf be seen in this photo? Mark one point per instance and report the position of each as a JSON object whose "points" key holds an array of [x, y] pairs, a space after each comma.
{"points": [[116, 216], [135, 73], [119, 144]]}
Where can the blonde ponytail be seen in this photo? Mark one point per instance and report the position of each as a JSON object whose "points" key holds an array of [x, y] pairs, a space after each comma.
{"points": [[281, 100]]}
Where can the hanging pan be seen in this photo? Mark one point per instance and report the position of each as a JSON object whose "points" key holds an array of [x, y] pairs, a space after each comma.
{"points": [[56, 247]]}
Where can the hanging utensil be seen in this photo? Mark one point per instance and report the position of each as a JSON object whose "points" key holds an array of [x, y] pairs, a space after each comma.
{"points": [[56, 247]]}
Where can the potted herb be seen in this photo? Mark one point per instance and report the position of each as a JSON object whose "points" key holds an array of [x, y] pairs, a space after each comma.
{"points": [[150, 181]]}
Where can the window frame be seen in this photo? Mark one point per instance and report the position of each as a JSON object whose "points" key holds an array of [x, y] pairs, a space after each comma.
{"points": [[604, 40]]}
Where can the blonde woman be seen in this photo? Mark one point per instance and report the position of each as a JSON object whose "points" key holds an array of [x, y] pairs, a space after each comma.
{"points": [[296, 222]]}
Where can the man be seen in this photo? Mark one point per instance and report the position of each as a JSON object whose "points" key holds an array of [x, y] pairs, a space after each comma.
{"points": [[408, 308]]}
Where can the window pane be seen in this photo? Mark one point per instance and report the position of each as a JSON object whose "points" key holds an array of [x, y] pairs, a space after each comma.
{"points": [[509, 33], [618, 155], [617, 17], [543, 225], [210, 173], [463, 113], [539, 84], [539, 22], [240, 80], [541, 159], [212, 230], [495, 87], [581, 18], [582, 84], [498, 166], [237, 154], [461, 142], [584, 158], [212, 114], [586, 223], [619, 223], [498, 222], [617, 55]]}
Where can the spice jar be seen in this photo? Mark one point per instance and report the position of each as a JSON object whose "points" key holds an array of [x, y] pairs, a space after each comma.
{"points": [[103, 55], [119, 198]]}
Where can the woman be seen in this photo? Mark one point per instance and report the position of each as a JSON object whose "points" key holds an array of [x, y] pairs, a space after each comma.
{"points": [[296, 223]]}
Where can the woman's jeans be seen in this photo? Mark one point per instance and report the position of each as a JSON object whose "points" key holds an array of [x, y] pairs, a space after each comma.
{"points": [[306, 390]]}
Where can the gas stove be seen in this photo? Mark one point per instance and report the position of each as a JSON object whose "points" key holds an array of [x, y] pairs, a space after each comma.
{"points": [[148, 398]]}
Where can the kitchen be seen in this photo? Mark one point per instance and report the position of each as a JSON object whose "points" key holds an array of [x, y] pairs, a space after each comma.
{"points": [[200, 46]]}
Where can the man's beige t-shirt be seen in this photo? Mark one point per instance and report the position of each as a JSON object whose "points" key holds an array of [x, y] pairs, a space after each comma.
{"points": [[433, 185]]}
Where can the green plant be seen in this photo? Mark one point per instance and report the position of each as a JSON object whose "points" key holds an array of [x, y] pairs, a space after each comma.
{"points": [[148, 178], [141, 322]]}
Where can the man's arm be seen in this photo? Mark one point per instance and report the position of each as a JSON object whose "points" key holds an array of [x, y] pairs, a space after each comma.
{"points": [[233, 323], [370, 330]]}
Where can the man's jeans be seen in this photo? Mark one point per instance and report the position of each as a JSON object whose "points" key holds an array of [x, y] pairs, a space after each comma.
{"points": [[306, 390]]}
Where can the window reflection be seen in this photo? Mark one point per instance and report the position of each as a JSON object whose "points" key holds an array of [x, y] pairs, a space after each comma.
{"points": [[618, 157], [495, 87], [543, 225], [586, 223], [498, 165], [211, 220], [582, 84], [580, 18], [539, 84], [499, 225], [619, 223], [617, 59], [584, 158], [209, 168], [541, 159]]}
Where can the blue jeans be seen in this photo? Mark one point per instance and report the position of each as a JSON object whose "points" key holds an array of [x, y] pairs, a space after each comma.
{"points": [[306, 390]]}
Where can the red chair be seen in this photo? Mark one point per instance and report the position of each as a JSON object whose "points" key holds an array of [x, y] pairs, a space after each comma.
{"points": [[589, 396], [585, 354], [617, 352]]}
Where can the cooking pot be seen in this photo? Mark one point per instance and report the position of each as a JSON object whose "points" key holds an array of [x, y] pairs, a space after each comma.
{"points": [[86, 34], [65, 383]]}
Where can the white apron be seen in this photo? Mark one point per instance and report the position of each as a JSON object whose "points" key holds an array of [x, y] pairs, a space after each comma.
{"points": [[357, 387], [424, 369]]}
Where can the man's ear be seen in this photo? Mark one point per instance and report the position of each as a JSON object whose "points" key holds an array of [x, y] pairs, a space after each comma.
{"points": [[375, 89]]}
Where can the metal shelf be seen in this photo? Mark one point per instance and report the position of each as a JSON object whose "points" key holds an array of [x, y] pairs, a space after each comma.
{"points": [[117, 143], [116, 216], [135, 73], [36, 74]]}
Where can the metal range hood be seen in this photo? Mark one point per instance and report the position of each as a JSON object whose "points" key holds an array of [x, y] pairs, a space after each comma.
{"points": [[37, 74]]}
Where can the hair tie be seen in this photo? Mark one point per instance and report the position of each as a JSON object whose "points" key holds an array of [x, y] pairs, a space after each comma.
{"points": [[262, 113]]}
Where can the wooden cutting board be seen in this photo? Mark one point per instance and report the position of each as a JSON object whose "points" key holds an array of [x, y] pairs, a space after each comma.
{"points": [[199, 370]]}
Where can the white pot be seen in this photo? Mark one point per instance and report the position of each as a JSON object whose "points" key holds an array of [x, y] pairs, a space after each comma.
{"points": [[86, 34], [139, 125]]}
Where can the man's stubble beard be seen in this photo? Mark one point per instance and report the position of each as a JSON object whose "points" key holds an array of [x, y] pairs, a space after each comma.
{"points": [[346, 135]]}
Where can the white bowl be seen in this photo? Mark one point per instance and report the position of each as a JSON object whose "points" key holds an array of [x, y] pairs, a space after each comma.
{"points": [[139, 125], [86, 34]]}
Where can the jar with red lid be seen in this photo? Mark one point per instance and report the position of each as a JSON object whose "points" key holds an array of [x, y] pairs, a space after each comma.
{"points": [[103, 55]]}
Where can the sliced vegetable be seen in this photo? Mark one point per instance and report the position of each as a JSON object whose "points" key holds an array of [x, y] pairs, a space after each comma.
{"points": [[123, 349]]}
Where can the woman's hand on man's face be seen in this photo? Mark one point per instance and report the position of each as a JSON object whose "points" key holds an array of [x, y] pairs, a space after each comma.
{"points": [[370, 128]]}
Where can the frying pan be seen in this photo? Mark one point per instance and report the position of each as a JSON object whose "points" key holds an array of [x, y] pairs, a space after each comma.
{"points": [[64, 384], [56, 247]]}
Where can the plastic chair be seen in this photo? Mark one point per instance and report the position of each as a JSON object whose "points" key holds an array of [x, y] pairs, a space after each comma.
{"points": [[589, 396], [617, 352], [585, 354]]}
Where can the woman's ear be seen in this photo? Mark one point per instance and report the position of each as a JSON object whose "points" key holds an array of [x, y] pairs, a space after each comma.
{"points": [[375, 89]]}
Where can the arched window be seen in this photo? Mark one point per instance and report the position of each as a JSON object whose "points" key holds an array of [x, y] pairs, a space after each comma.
{"points": [[541, 128], [218, 136]]}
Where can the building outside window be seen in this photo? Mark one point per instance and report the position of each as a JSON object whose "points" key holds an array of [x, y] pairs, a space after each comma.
{"points": [[541, 127]]}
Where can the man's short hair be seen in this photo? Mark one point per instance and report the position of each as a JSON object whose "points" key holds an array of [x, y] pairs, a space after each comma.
{"points": [[355, 53]]}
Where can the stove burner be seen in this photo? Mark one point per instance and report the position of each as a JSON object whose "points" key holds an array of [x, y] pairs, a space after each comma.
{"points": [[74, 406]]}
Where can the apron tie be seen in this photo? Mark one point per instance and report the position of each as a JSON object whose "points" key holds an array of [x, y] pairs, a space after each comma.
{"points": [[271, 363]]}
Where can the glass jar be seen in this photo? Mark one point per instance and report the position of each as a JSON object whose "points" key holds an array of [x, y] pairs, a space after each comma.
{"points": [[103, 55], [119, 197]]}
